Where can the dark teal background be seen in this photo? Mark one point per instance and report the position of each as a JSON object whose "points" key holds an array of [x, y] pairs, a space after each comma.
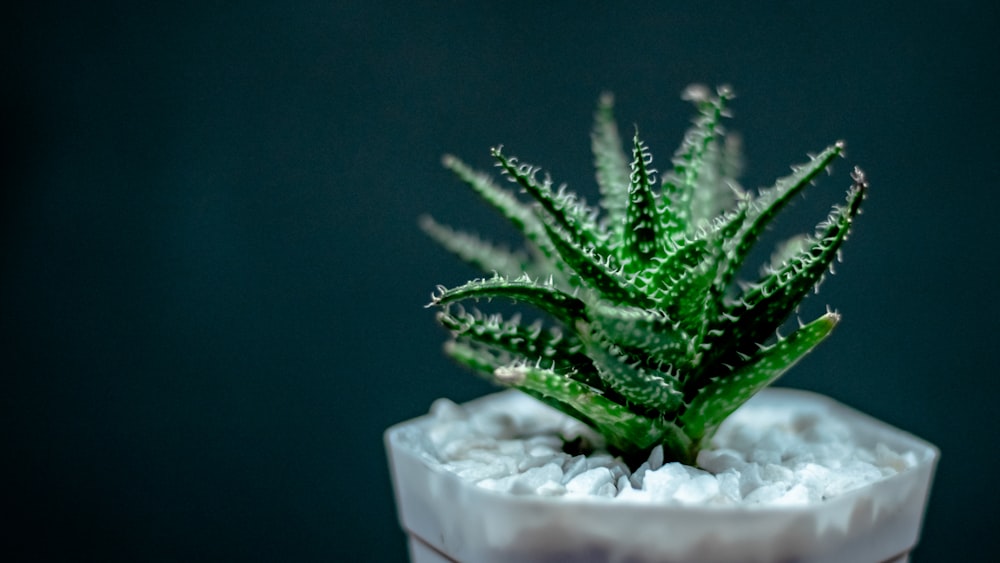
{"points": [[212, 283]]}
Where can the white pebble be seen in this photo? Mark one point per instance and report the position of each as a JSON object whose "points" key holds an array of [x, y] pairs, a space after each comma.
{"points": [[664, 482], [885, 457], [600, 460], [766, 494], [623, 482], [729, 487], [608, 490], [720, 460], [494, 424], [697, 490], [551, 489], [502, 485], [812, 475], [573, 467], [544, 441], [543, 450], [636, 495], [538, 461], [656, 458], [796, 496], [447, 410], [475, 471], [590, 481], [639, 475], [765, 456], [463, 449], [533, 479], [750, 479], [777, 473], [511, 447]]}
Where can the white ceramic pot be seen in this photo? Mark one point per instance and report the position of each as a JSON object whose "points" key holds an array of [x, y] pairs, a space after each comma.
{"points": [[450, 519]]}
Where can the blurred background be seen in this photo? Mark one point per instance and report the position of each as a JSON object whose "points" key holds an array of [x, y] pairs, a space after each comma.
{"points": [[212, 282]]}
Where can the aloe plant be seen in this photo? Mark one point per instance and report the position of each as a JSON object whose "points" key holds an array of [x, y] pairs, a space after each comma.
{"points": [[651, 338]]}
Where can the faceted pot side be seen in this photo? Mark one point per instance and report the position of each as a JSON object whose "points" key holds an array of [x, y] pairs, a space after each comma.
{"points": [[448, 518]]}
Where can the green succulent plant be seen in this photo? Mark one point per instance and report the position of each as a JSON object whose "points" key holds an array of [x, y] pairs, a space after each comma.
{"points": [[651, 338]]}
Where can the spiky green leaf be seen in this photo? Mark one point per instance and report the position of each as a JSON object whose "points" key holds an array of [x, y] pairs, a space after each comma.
{"points": [[640, 242], [679, 185], [475, 251], [592, 271], [621, 427], [658, 390], [726, 392], [568, 211], [683, 258], [545, 296], [520, 215], [769, 203], [769, 302], [611, 165], [649, 330], [549, 346]]}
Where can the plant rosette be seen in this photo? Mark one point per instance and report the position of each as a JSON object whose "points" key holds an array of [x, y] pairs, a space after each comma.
{"points": [[642, 428], [791, 476]]}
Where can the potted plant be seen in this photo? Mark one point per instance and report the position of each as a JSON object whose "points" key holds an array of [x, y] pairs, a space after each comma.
{"points": [[641, 429]]}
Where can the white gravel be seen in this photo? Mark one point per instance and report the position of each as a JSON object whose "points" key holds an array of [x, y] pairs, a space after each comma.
{"points": [[758, 458]]}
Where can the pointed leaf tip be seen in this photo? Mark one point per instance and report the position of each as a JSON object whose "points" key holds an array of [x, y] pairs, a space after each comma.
{"points": [[859, 177], [696, 93]]}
